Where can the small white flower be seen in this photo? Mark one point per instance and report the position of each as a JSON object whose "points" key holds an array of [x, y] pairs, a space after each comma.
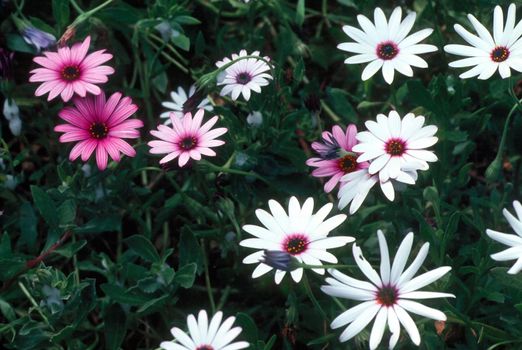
{"points": [[243, 76], [11, 110], [514, 241], [299, 233], [255, 119], [502, 51], [396, 147], [386, 44], [206, 336], [354, 188], [386, 297], [182, 103]]}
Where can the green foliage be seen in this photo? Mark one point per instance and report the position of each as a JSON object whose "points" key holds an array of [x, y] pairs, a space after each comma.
{"points": [[114, 259]]}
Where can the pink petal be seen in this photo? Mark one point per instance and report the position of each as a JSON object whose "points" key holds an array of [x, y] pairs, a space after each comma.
{"points": [[78, 51], [111, 149], [124, 147], [90, 145], [101, 156], [95, 59]]}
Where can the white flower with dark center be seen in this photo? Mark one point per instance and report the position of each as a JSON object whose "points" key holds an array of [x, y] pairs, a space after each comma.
{"points": [[502, 51], [386, 44], [387, 297], [395, 147], [183, 103], [206, 336], [243, 76], [514, 241], [300, 233]]}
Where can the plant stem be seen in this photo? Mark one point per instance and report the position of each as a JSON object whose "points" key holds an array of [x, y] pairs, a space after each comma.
{"points": [[312, 297], [34, 303], [207, 278]]}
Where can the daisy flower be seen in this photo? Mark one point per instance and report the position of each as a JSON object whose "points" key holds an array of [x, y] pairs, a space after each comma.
{"points": [[299, 233], [486, 53], [203, 335], [187, 138], [396, 147], [243, 76], [386, 44], [514, 241], [182, 103], [335, 156], [71, 70], [100, 125], [386, 297]]}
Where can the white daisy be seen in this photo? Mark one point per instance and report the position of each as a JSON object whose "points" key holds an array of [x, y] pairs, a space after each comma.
{"points": [[386, 297], [182, 103], [386, 44], [205, 336], [244, 75], [396, 147], [234, 57], [299, 233], [514, 241], [503, 50]]}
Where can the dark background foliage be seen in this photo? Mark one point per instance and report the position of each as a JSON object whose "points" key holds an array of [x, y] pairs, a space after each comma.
{"points": [[140, 247]]}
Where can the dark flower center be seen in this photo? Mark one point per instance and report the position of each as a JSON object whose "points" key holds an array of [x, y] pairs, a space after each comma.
{"points": [[71, 73], [499, 54], [387, 50], [204, 347], [243, 78], [98, 130], [188, 143], [348, 163], [387, 295], [296, 244], [395, 147]]}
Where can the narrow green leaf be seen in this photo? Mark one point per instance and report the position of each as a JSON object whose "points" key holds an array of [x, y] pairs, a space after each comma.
{"points": [[143, 247], [114, 327], [45, 205]]}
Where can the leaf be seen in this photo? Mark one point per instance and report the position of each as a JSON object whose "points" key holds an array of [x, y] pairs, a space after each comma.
{"points": [[9, 267], [67, 212], [187, 20], [143, 247], [121, 295], [61, 13], [70, 249], [28, 222], [107, 223], [15, 42], [186, 275], [182, 41], [45, 205], [246, 322], [114, 327], [190, 250], [300, 13]]}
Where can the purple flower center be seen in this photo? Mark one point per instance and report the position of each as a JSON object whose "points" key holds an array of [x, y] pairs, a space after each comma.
{"points": [[387, 50], [347, 164], [243, 78], [71, 73], [188, 143], [205, 347], [387, 295], [296, 244], [98, 130], [395, 147], [499, 54]]}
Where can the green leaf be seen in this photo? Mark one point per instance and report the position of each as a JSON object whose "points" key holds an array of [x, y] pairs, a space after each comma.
{"points": [[182, 41], [28, 222], [70, 249], [189, 250], [121, 295], [143, 247], [246, 322], [186, 275], [61, 13], [15, 42], [67, 212], [114, 327], [107, 223], [187, 20], [300, 13], [45, 205], [9, 267]]}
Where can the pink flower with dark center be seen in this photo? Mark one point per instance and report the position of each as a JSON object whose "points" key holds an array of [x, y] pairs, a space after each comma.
{"points": [[187, 138], [101, 125], [71, 70], [336, 158]]}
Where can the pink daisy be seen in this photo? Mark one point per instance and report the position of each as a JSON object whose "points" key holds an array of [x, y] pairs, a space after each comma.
{"points": [[336, 158], [187, 138], [100, 125], [71, 70]]}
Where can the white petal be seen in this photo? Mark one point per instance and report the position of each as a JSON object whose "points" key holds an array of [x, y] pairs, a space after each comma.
{"points": [[365, 266], [419, 309], [408, 324], [472, 39], [425, 295], [378, 328], [424, 279], [401, 257], [385, 258], [505, 238], [388, 190], [359, 323], [415, 265], [351, 314], [405, 27], [498, 24], [388, 71], [372, 68]]}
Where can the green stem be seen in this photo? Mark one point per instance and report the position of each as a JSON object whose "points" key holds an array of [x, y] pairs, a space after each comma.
{"points": [[76, 7], [85, 15], [168, 57], [207, 278], [330, 112], [34, 303], [312, 297]]}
